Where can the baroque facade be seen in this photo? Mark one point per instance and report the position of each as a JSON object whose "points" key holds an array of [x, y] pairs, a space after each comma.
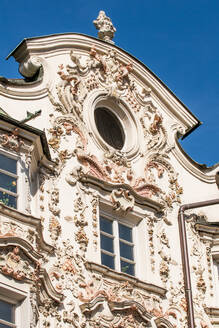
{"points": [[94, 230]]}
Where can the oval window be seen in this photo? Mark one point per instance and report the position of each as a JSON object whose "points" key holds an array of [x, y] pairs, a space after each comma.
{"points": [[109, 127]]}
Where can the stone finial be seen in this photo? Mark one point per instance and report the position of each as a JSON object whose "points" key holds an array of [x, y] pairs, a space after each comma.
{"points": [[105, 27]]}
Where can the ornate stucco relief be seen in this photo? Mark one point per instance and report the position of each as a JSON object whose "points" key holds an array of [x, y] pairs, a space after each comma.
{"points": [[24, 255], [12, 141], [122, 201], [116, 79], [201, 267], [108, 303], [139, 183], [82, 162]]}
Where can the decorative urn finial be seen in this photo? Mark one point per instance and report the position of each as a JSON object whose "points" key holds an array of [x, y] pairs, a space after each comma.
{"points": [[105, 27]]}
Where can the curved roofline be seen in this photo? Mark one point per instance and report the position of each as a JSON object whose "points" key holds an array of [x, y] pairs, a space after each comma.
{"points": [[202, 167], [133, 57]]}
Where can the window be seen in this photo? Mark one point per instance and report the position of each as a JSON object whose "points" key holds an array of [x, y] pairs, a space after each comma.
{"points": [[7, 314], [109, 127], [15, 307], [216, 279], [8, 181], [117, 247]]}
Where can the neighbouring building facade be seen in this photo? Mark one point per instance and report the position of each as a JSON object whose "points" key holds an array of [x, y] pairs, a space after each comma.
{"points": [[94, 230]]}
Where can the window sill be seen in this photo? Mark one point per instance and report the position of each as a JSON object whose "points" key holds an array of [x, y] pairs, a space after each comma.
{"points": [[125, 277]]}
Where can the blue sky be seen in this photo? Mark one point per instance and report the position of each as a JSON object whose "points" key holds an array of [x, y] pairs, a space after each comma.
{"points": [[177, 40]]}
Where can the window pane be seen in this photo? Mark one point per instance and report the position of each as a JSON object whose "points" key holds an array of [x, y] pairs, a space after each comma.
{"points": [[8, 182], [126, 250], [8, 164], [107, 243], [127, 268], [8, 200], [6, 311], [125, 232], [106, 225], [109, 127], [107, 260]]}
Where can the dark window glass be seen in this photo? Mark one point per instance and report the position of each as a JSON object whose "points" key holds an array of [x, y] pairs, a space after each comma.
{"points": [[125, 232], [109, 127], [107, 243], [128, 268], [6, 311], [106, 225], [8, 182], [8, 164], [8, 200], [107, 260], [126, 250]]}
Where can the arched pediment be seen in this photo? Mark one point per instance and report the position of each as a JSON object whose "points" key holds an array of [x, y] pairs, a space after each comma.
{"points": [[126, 313], [23, 252]]}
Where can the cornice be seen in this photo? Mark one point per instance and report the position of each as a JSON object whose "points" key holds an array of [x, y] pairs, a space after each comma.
{"points": [[210, 233], [107, 186], [22, 239], [208, 229], [33, 135], [26, 219], [28, 88], [120, 276], [44, 277], [26, 247], [200, 171], [125, 306], [212, 311]]}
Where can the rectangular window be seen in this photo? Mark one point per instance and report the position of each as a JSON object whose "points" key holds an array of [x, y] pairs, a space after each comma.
{"points": [[8, 181], [117, 247], [7, 314]]}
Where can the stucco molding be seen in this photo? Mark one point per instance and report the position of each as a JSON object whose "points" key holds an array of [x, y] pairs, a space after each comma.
{"points": [[25, 89], [124, 312], [107, 186], [56, 45], [197, 170], [121, 109], [21, 262], [120, 276], [22, 225], [23, 251]]}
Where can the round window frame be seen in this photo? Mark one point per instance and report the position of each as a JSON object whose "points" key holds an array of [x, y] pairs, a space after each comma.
{"points": [[123, 114]]}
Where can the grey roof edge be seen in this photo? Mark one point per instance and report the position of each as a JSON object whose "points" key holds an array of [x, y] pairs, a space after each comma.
{"points": [[126, 52], [31, 129], [36, 78]]}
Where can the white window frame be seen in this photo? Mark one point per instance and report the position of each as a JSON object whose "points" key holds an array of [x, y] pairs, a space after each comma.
{"points": [[216, 280], [22, 187], [12, 293], [13, 302], [16, 176], [130, 224]]}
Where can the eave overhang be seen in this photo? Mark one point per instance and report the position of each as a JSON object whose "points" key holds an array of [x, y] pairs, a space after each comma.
{"points": [[208, 228], [30, 131]]}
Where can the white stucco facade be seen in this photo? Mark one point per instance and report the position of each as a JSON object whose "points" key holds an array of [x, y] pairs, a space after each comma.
{"points": [[68, 176]]}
